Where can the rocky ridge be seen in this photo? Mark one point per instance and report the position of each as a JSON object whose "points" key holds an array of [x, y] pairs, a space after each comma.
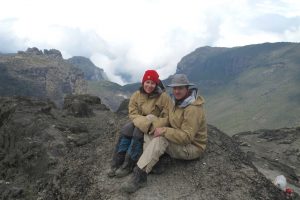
{"points": [[48, 153], [91, 71], [38, 74]]}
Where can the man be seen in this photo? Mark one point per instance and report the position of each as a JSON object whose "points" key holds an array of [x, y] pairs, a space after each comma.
{"points": [[186, 138]]}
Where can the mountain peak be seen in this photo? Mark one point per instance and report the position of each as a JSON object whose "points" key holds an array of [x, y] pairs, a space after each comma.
{"points": [[34, 51], [91, 71]]}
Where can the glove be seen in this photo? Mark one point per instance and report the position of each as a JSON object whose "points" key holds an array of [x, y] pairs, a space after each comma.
{"points": [[151, 117]]}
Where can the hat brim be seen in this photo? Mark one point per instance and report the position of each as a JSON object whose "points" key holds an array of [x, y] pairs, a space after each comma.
{"points": [[178, 85]]}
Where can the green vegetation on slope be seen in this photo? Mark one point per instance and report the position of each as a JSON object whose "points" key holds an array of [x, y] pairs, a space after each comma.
{"points": [[258, 98], [249, 87]]}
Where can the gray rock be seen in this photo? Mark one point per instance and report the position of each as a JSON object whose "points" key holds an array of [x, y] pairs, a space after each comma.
{"points": [[37, 75], [33, 51], [66, 165], [54, 53]]}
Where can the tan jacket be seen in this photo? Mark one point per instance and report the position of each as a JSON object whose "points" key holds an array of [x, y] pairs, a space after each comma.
{"points": [[188, 125], [141, 105]]}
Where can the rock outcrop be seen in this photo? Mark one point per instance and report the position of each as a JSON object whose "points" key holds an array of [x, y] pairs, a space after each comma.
{"points": [[44, 75], [80, 105], [91, 71], [53, 53], [274, 152], [46, 153]]}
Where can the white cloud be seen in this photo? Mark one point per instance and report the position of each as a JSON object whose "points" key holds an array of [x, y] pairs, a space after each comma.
{"points": [[127, 37]]}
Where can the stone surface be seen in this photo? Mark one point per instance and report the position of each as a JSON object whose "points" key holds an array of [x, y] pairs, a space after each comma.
{"points": [[51, 155], [32, 73], [274, 153]]}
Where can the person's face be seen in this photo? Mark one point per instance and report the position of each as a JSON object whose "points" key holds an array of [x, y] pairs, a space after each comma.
{"points": [[180, 92], [149, 86]]}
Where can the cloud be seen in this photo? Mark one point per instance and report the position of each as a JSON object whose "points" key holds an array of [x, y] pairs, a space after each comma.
{"points": [[9, 42], [275, 23], [125, 38]]}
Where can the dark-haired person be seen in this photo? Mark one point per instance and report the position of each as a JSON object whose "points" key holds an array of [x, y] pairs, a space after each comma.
{"points": [[185, 137], [148, 109]]}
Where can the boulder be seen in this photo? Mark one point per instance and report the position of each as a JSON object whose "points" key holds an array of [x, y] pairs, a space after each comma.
{"points": [[123, 108]]}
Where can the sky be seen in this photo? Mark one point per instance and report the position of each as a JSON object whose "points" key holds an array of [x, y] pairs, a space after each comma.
{"points": [[127, 37]]}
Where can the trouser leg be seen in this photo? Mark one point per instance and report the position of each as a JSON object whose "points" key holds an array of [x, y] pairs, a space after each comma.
{"points": [[133, 153], [147, 140], [136, 146], [122, 144], [184, 152], [156, 147], [159, 145]]}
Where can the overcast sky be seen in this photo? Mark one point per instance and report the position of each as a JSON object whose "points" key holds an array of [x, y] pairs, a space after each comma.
{"points": [[126, 37]]}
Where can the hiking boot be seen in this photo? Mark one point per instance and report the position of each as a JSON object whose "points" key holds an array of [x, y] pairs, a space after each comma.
{"points": [[136, 181], [126, 168], [112, 172], [160, 166], [118, 159]]}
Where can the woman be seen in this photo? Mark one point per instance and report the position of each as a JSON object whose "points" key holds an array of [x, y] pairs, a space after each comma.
{"points": [[148, 109]]}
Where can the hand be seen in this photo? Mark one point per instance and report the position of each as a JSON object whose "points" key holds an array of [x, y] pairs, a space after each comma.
{"points": [[158, 132], [151, 117]]}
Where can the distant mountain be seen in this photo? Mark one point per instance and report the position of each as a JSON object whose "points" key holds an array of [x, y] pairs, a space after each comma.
{"points": [[91, 71], [39, 74], [111, 94], [249, 87], [246, 88]]}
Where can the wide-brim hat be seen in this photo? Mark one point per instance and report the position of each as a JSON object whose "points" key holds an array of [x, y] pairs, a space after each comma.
{"points": [[180, 80]]}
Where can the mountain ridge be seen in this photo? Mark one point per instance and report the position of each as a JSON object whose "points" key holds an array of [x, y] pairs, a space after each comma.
{"points": [[90, 70], [38, 74], [245, 87]]}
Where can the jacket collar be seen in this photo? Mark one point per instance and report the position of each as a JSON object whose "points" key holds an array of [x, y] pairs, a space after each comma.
{"points": [[188, 100]]}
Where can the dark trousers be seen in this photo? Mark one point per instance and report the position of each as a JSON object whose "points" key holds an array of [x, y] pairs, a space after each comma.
{"points": [[130, 141]]}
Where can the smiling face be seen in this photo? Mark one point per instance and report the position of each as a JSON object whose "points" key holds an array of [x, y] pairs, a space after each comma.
{"points": [[149, 86], [180, 92]]}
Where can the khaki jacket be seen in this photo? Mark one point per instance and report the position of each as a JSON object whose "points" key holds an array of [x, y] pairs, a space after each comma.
{"points": [[141, 105], [188, 125]]}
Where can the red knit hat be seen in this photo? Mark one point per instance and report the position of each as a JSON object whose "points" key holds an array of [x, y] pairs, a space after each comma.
{"points": [[151, 75]]}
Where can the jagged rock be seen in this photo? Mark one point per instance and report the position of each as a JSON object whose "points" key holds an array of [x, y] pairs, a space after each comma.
{"points": [[37, 75], [79, 109], [33, 51], [54, 53], [42, 158], [20, 53], [123, 108], [82, 105], [91, 71]]}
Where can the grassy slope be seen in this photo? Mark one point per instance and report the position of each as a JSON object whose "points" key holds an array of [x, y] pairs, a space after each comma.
{"points": [[250, 87], [258, 98]]}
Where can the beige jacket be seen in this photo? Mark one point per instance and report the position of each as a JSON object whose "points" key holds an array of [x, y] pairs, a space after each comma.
{"points": [[141, 105], [188, 125]]}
